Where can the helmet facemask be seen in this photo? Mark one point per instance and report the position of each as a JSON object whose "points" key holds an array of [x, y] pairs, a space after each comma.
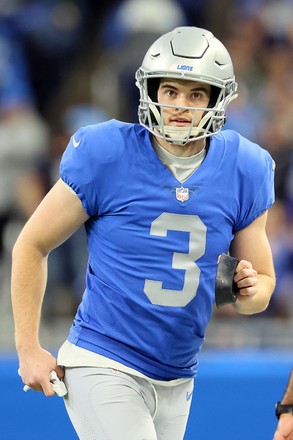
{"points": [[192, 54], [151, 112]]}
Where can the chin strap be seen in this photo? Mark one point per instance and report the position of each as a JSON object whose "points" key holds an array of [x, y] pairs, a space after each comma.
{"points": [[182, 135], [179, 135]]}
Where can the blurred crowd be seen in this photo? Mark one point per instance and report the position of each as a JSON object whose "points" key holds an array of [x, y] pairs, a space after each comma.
{"points": [[66, 64]]}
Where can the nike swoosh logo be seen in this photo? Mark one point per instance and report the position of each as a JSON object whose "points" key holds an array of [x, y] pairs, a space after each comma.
{"points": [[75, 143]]}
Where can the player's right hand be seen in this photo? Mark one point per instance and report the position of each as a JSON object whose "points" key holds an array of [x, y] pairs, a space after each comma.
{"points": [[35, 366]]}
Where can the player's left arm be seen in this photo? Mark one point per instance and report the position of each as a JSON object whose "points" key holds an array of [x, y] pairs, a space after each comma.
{"points": [[255, 275], [284, 429]]}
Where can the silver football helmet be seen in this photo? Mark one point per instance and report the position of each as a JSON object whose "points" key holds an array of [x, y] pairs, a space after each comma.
{"points": [[193, 54]]}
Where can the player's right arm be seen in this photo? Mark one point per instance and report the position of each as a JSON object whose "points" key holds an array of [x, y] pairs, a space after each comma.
{"points": [[58, 216]]}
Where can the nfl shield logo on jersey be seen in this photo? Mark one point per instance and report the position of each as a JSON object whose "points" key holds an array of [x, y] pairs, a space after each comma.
{"points": [[182, 194]]}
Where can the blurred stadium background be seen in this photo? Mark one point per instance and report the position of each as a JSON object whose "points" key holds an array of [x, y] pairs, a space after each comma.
{"points": [[65, 64]]}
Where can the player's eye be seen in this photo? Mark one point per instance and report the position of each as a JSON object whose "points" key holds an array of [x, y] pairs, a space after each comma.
{"points": [[197, 95], [170, 93]]}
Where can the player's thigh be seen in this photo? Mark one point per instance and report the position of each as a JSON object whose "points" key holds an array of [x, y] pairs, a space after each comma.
{"points": [[173, 410], [105, 404]]}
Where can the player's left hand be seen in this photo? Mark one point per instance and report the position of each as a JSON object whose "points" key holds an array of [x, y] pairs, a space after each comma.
{"points": [[246, 280], [285, 428]]}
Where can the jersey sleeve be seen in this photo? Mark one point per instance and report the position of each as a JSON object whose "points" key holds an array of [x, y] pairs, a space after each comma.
{"points": [[256, 188], [76, 169]]}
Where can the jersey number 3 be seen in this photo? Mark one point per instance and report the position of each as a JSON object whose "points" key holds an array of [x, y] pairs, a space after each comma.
{"points": [[197, 243]]}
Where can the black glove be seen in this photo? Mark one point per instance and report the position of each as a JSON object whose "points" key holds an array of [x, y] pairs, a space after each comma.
{"points": [[226, 289]]}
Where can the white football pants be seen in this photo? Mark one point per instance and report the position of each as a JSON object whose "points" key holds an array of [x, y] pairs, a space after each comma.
{"points": [[107, 404]]}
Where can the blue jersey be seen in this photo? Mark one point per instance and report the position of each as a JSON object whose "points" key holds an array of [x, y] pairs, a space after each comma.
{"points": [[154, 243]]}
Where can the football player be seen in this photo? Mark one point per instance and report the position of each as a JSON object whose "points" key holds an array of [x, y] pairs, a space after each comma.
{"points": [[160, 201]]}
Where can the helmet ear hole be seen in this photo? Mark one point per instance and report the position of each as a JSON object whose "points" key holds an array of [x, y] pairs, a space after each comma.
{"points": [[152, 91], [153, 87], [215, 91]]}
